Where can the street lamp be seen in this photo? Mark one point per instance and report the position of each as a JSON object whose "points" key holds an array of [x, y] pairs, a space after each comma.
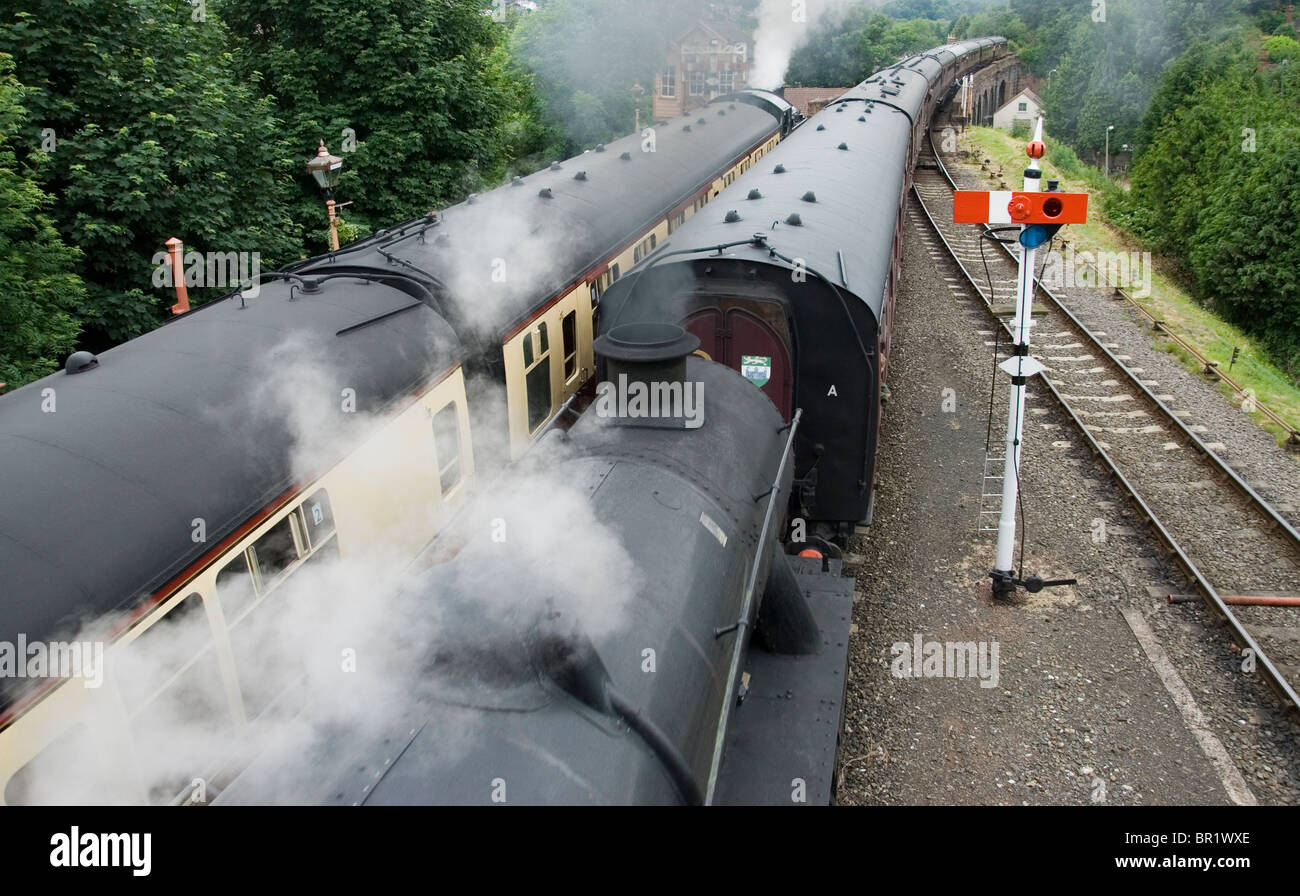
{"points": [[1109, 128], [326, 168], [1049, 79], [637, 92]]}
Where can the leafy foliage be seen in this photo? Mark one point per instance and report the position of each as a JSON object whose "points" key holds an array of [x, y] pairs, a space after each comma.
{"points": [[1220, 188], [156, 137], [418, 97], [842, 51], [39, 293]]}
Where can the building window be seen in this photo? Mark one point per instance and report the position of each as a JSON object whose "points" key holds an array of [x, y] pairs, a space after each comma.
{"points": [[1024, 107], [668, 83], [726, 81], [569, 329], [446, 447], [695, 83]]}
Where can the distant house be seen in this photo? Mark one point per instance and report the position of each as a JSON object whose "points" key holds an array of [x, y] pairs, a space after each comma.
{"points": [[1024, 107], [810, 100], [706, 60]]}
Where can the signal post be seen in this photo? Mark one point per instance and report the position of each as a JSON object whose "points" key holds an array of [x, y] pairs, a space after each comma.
{"points": [[1039, 215]]}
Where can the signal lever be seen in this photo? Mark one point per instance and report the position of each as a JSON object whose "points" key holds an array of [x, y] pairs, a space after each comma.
{"points": [[1004, 584]]}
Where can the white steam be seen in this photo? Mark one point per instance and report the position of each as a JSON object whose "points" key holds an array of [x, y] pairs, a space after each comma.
{"points": [[782, 27]]}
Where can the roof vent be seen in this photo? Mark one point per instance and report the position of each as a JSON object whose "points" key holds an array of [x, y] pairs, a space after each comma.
{"points": [[626, 157], [731, 105], [80, 362], [722, 112], [810, 196], [842, 146], [600, 147], [516, 181], [862, 118], [732, 217], [686, 127], [821, 127], [471, 199], [754, 194], [779, 169], [794, 220], [581, 175], [701, 120], [555, 166], [545, 193], [839, 108], [311, 285]]}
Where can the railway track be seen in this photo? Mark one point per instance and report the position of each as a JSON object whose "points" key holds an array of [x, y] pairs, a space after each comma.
{"points": [[1227, 538]]}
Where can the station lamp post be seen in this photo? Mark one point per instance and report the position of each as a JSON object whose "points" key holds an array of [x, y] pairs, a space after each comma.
{"points": [[1109, 128], [637, 92], [325, 168]]}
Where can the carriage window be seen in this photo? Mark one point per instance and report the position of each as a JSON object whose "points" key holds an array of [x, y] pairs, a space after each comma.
{"points": [[539, 393], [318, 518], [537, 379], [616, 273], [446, 447], [654, 241], [162, 650], [235, 587], [275, 551], [528, 349], [595, 295], [569, 332], [636, 255]]}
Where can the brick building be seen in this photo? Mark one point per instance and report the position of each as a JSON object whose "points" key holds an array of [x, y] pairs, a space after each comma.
{"points": [[706, 60]]}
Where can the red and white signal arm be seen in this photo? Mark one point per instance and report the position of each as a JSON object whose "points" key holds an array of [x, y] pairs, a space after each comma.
{"points": [[1015, 207]]}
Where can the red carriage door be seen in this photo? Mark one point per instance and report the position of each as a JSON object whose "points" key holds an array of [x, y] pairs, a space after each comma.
{"points": [[759, 353], [706, 324], [749, 345]]}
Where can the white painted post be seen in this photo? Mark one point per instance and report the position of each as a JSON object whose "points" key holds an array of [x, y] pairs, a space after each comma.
{"points": [[1020, 366]]}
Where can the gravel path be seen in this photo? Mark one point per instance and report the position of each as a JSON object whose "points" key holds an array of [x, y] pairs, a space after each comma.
{"points": [[1078, 714]]}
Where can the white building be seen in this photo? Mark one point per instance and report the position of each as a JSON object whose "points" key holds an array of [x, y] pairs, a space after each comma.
{"points": [[1025, 107]]}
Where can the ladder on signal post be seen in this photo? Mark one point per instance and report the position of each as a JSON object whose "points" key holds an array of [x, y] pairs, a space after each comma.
{"points": [[991, 493]]}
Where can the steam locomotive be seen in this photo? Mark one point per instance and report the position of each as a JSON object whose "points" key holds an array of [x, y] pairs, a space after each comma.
{"points": [[700, 664]]}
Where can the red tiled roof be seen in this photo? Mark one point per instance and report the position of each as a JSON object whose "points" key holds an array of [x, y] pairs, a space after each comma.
{"points": [[801, 97]]}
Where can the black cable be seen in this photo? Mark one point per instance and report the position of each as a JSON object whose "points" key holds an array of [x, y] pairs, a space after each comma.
{"points": [[662, 747]]}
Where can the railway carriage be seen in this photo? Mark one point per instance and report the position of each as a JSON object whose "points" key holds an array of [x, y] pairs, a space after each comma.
{"points": [[196, 470], [792, 282]]}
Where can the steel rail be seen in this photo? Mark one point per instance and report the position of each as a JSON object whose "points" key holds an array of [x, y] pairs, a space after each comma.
{"points": [[1245, 638]]}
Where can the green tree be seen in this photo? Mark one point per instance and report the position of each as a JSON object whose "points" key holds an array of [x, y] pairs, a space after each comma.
{"points": [[155, 136], [418, 97], [39, 291]]}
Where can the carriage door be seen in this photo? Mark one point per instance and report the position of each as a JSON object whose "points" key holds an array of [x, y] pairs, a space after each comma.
{"points": [[748, 345]]}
